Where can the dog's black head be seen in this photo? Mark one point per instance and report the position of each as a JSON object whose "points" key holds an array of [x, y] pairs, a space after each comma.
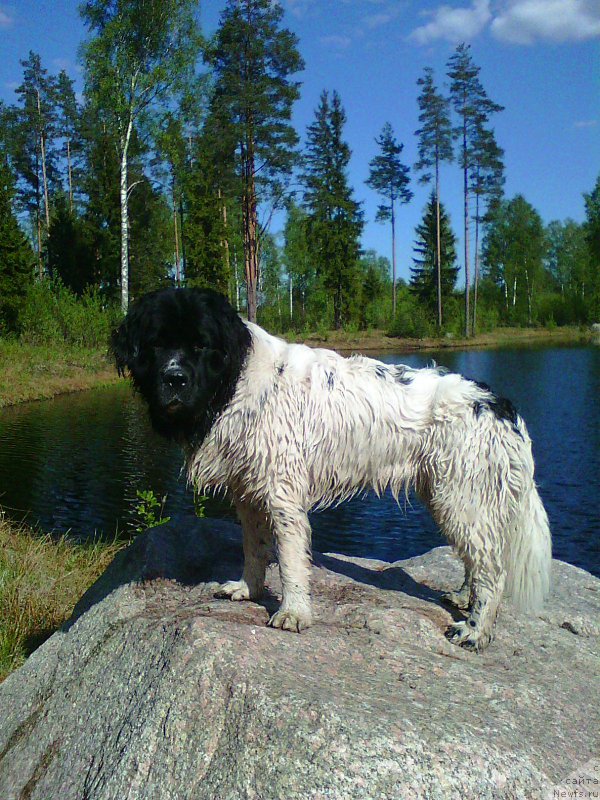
{"points": [[184, 349]]}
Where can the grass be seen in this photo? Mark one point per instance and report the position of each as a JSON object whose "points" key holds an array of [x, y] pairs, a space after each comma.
{"points": [[41, 579], [39, 372], [378, 340]]}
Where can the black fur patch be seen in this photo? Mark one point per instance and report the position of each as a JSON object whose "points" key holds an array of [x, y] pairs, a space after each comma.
{"points": [[381, 371], [200, 332], [401, 376], [501, 407], [330, 381]]}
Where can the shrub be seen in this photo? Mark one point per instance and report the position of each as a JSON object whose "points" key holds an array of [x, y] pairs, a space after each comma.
{"points": [[53, 314]]}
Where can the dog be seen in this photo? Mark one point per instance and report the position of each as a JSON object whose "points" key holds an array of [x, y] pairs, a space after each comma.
{"points": [[284, 428]]}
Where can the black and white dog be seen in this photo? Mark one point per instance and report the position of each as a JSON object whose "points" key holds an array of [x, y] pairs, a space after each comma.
{"points": [[284, 429]]}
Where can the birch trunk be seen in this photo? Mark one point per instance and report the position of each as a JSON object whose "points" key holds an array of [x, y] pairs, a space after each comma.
{"points": [[124, 198], [393, 260], [467, 253]]}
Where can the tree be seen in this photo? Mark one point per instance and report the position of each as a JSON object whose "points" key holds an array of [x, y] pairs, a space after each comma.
{"points": [[31, 148], [16, 257], [296, 258], [70, 255], [514, 249], [253, 59], [434, 275], [139, 50], [592, 228], [474, 109], [390, 178], [68, 128], [486, 183], [434, 147], [335, 220]]}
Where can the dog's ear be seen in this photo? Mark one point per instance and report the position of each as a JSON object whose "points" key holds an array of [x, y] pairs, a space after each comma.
{"points": [[126, 340]]}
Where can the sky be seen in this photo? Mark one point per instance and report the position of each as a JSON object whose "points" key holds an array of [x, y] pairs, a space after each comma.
{"points": [[540, 59]]}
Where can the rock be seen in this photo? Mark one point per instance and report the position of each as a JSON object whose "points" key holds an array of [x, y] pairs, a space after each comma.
{"points": [[154, 689]]}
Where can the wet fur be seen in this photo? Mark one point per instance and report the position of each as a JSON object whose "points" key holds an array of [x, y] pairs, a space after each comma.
{"points": [[283, 429]]}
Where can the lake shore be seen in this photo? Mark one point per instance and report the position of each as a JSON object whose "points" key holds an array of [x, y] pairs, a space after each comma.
{"points": [[39, 372]]}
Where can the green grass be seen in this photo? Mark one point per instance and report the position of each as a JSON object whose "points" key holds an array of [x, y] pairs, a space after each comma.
{"points": [[37, 372], [41, 579]]}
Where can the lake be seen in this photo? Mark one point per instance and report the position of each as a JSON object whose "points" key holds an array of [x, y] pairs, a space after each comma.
{"points": [[75, 463]]}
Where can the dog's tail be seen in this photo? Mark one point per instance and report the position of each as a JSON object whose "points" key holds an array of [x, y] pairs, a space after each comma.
{"points": [[528, 559]]}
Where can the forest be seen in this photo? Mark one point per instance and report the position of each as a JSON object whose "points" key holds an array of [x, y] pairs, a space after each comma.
{"points": [[173, 163]]}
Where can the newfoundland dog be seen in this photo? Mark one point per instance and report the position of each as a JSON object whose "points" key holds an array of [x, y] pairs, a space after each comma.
{"points": [[284, 428]]}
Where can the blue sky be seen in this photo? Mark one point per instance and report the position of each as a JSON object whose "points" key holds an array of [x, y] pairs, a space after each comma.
{"points": [[539, 58]]}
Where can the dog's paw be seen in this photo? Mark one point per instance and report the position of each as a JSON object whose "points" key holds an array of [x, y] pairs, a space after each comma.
{"points": [[457, 599], [295, 621], [235, 590], [464, 635]]}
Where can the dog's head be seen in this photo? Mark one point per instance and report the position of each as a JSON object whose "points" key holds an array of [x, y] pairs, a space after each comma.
{"points": [[184, 349]]}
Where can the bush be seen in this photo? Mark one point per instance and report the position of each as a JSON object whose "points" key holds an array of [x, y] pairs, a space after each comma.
{"points": [[411, 320], [52, 314]]}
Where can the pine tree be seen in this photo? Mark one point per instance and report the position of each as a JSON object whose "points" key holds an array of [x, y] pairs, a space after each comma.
{"points": [[68, 128], [390, 177], [425, 275], [592, 231], [253, 59], [70, 255], [335, 220], [16, 256], [434, 147], [474, 109]]}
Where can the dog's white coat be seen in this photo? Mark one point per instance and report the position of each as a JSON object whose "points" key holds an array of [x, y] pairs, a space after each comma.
{"points": [[307, 428]]}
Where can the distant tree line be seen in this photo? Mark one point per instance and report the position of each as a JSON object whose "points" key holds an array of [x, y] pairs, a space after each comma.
{"points": [[171, 165]]}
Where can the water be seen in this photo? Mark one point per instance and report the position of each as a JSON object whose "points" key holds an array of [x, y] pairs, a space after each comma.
{"points": [[76, 462]]}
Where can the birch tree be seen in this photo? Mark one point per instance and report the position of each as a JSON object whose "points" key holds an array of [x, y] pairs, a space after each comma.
{"points": [[137, 52]]}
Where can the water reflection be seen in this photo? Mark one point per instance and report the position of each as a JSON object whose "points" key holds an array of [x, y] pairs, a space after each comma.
{"points": [[76, 462]]}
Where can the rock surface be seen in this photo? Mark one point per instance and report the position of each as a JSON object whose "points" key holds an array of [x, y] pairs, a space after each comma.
{"points": [[154, 689]]}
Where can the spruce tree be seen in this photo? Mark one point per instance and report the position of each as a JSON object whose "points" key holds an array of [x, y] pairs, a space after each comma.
{"points": [[16, 256], [473, 108], [253, 59], [390, 177], [432, 278], [434, 147], [335, 220]]}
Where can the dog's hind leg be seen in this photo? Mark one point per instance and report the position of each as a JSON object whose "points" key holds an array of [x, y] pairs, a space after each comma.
{"points": [[292, 532], [462, 598], [257, 552], [487, 575]]}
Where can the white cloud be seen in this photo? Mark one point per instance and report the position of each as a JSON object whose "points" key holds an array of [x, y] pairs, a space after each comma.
{"points": [[585, 123], [6, 20], [299, 8], [454, 24], [336, 42], [373, 21], [528, 21]]}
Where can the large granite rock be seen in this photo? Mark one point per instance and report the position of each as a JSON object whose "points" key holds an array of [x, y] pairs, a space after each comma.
{"points": [[156, 690]]}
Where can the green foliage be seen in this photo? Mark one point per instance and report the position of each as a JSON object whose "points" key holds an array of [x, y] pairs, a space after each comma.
{"points": [[69, 251], [388, 175], [335, 220], [54, 314], [435, 133], [148, 512], [513, 254], [424, 275], [411, 320], [16, 258]]}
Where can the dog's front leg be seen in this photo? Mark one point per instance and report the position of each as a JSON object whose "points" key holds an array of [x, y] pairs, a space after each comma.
{"points": [[292, 538], [257, 551]]}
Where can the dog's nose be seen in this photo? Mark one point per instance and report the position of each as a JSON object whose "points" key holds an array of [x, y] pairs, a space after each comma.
{"points": [[175, 377]]}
